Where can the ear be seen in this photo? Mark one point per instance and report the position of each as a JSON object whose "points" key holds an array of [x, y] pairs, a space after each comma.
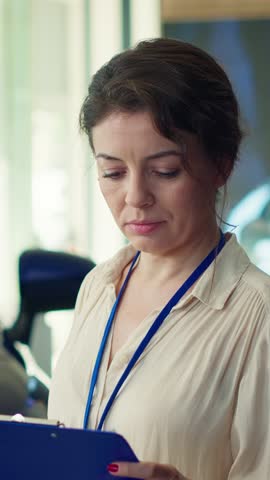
{"points": [[223, 172]]}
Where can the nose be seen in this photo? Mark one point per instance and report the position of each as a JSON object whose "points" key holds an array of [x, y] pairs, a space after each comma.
{"points": [[138, 193]]}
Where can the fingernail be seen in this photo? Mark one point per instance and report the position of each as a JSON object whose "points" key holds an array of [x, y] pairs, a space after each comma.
{"points": [[113, 467]]}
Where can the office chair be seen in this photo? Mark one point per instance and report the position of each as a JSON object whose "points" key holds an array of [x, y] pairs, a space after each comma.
{"points": [[48, 281]]}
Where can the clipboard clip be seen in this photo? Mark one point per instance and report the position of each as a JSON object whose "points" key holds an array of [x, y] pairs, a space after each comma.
{"points": [[18, 417]]}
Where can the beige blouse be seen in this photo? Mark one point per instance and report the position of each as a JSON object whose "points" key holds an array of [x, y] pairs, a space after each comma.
{"points": [[199, 396]]}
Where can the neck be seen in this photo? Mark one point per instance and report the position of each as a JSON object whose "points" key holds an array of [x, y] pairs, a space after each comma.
{"points": [[179, 262]]}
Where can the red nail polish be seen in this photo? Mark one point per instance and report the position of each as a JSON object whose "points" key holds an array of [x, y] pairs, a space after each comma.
{"points": [[112, 468]]}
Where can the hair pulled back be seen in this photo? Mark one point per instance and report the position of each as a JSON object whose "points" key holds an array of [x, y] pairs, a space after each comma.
{"points": [[180, 85]]}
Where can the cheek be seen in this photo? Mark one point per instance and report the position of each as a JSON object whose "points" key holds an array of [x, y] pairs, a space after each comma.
{"points": [[203, 201], [112, 194], [107, 188], [193, 196]]}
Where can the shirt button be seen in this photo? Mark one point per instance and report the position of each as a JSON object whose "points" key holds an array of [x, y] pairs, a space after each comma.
{"points": [[124, 359]]}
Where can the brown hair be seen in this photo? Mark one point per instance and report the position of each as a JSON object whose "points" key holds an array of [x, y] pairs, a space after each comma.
{"points": [[182, 87]]}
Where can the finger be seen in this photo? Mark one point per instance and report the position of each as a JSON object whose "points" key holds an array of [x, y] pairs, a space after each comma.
{"points": [[145, 470]]}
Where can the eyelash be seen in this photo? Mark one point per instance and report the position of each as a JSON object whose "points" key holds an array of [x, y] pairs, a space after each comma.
{"points": [[168, 175]]}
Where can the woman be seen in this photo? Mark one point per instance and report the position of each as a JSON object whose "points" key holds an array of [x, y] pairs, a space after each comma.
{"points": [[163, 123]]}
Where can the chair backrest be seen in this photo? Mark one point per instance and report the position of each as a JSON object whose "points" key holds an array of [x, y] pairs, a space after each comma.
{"points": [[47, 281]]}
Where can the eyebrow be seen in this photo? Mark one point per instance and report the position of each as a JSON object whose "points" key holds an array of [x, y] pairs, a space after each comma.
{"points": [[163, 153]]}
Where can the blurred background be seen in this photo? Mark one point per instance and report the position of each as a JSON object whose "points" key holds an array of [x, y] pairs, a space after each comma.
{"points": [[48, 191]]}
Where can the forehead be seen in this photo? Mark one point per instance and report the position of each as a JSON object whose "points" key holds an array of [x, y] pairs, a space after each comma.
{"points": [[125, 129]]}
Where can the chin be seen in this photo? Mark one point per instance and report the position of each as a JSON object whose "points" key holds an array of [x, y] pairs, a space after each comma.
{"points": [[148, 245]]}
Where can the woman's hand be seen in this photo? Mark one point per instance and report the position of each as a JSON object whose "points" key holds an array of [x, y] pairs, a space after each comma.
{"points": [[145, 470]]}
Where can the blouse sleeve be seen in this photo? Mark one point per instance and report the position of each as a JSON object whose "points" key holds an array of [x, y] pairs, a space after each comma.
{"points": [[59, 389], [250, 434]]}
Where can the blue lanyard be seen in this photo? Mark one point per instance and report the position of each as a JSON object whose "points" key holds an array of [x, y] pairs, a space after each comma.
{"points": [[151, 332]]}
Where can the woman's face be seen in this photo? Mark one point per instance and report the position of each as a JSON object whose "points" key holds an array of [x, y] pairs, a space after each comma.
{"points": [[157, 204]]}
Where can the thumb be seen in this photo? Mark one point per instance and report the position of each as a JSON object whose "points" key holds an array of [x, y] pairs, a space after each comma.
{"points": [[147, 470]]}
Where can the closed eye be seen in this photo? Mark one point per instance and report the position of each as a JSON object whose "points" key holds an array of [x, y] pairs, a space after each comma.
{"points": [[113, 175], [167, 173]]}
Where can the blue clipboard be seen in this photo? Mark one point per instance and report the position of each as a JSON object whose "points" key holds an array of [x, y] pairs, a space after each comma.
{"points": [[45, 452]]}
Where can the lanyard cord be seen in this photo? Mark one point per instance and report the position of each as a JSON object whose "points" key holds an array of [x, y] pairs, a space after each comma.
{"points": [[151, 332], [104, 341]]}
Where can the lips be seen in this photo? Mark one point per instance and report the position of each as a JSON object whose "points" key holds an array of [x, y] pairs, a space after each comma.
{"points": [[143, 227], [142, 222]]}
